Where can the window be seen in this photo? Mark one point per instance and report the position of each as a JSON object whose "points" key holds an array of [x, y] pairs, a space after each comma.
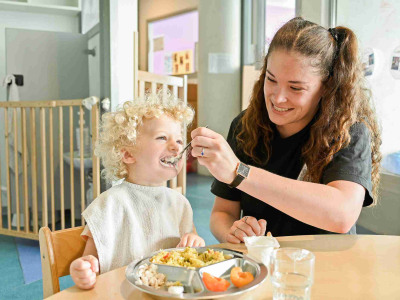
{"points": [[172, 44], [376, 27]]}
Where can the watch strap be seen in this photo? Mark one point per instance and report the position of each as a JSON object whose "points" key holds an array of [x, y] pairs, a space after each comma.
{"points": [[238, 179]]}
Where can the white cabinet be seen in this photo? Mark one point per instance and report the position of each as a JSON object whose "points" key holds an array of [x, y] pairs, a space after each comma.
{"points": [[62, 7]]}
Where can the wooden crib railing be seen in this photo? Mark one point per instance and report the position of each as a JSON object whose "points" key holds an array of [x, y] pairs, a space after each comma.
{"points": [[29, 142], [152, 83]]}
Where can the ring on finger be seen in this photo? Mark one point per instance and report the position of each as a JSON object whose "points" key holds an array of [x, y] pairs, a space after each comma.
{"points": [[235, 231], [245, 219], [202, 151]]}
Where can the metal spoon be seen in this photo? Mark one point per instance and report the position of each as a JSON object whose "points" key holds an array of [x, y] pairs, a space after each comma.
{"points": [[179, 157]]}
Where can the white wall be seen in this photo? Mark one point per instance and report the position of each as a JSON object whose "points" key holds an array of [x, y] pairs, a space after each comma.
{"points": [[33, 21], [123, 22], [316, 11]]}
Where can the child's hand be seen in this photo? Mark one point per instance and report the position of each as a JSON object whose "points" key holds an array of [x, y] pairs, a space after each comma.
{"points": [[83, 271], [191, 240]]}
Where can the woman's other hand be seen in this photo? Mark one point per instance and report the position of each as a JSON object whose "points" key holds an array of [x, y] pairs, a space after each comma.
{"points": [[214, 152], [83, 271], [191, 240], [247, 226]]}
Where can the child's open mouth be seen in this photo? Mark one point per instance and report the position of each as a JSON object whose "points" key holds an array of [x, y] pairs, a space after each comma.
{"points": [[168, 161]]}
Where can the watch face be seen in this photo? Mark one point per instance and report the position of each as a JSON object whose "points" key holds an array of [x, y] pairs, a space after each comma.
{"points": [[243, 170]]}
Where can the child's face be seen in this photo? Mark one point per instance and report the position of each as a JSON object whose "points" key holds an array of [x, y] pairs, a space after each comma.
{"points": [[158, 139]]}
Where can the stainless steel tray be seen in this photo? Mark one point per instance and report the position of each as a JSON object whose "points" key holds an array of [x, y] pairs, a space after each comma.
{"points": [[191, 279]]}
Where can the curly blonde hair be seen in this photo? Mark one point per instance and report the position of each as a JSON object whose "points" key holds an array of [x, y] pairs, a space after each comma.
{"points": [[345, 101], [120, 129]]}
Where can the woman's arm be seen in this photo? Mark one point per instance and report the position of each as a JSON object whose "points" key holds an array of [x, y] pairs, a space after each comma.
{"points": [[226, 225], [334, 207], [223, 214]]}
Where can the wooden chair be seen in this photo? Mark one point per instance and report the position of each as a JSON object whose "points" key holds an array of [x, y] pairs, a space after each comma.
{"points": [[57, 250]]}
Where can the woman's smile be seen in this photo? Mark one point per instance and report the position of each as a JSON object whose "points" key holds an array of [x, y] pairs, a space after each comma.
{"points": [[280, 110]]}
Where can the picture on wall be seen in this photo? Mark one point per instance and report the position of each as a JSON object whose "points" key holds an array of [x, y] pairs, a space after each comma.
{"points": [[395, 63], [368, 62], [182, 62]]}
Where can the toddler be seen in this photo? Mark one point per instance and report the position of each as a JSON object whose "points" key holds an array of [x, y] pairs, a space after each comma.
{"points": [[137, 143]]}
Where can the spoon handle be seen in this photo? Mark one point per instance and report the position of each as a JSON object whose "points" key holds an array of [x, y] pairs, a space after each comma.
{"points": [[187, 146]]}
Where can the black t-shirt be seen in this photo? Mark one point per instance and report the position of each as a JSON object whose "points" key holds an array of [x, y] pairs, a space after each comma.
{"points": [[352, 163]]}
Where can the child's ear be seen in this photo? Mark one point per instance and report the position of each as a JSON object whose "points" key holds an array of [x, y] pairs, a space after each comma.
{"points": [[127, 157]]}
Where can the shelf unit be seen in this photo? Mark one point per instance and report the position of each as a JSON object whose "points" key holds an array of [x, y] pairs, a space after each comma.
{"points": [[60, 7]]}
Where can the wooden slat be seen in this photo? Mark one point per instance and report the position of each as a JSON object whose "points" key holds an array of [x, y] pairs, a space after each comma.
{"points": [[53, 208], [168, 80], [34, 173], [16, 169], [184, 174], [81, 113], [184, 87], [71, 165], [181, 178], [135, 64], [153, 87], [95, 159], [173, 183], [39, 104], [75, 102], [22, 234], [164, 91], [61, 146], [7, 144], [175, 91], [15, 104], [141, 88], [44, 165], [25, 169]]}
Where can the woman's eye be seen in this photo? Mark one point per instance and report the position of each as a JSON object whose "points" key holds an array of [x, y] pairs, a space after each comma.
{"points": [[270, 79], [162, 138], [296, 88], [180, 142]]}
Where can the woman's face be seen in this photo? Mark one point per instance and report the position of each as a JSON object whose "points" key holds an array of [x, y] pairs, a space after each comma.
{"points": [[292, 91]]}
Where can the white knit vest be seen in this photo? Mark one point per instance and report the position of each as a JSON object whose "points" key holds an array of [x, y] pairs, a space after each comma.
{"points": [[130, 221]]}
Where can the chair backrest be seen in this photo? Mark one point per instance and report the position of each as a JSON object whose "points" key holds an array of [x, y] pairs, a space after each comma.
{"points": [[178, 86], [58, 249]]}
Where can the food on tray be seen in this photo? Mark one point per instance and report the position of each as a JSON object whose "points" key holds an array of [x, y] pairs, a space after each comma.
{"points": [[215, 284], [148, 276], [176, 290], [240, 278], [189, 258]]}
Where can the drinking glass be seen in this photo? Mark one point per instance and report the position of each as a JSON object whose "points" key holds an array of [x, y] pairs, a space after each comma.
{"points": [[292, 273]]}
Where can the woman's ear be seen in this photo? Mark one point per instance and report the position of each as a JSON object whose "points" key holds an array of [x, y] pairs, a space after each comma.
{"points": [[127, 157]]}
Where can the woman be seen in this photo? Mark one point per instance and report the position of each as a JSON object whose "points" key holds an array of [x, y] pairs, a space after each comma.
{"points": [[307, 147]]}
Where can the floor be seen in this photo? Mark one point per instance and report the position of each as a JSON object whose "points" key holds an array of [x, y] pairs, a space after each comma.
{"points": [[20, 266], [20, 269]]}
